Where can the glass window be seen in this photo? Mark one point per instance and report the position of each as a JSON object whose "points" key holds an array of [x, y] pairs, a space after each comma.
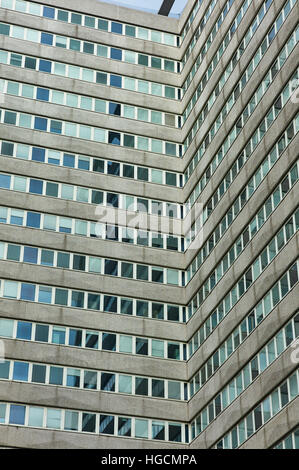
{"points": [[36, 416], [116, 27], [58, 335], [28, 291], [53, 419], [90, 379], [42, 333], [73, 378], [24, 330], [157, 348], [141, 428], [88, 422], [10, 289], [141, 386], [125, 344], [38, 373], [158, 431], [17, 414], [108, 382], [20, 371], [4, 369], [115, 54], [6, 328], [30, 255], [13, 252], [56, 375], [174, 390], [106, 424], [92, 340], [142, 346], [109, 342], [71, 420], [125, 384]]}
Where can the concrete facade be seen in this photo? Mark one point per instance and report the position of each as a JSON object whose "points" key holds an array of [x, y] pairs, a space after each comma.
{"points": [[167, 420]]}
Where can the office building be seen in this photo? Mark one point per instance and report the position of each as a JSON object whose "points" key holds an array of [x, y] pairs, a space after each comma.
{"points": [[148, 225]]}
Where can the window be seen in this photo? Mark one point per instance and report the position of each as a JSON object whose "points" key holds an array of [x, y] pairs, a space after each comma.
{"points": [[38, 373], [20, 371], [53, 419], [142, 346], [141, 386], [90, 379], [106, 424], [108, 382], [88, 422], [124, 426], [56, 375], [108, 342], [125, 344], [17, 414]]}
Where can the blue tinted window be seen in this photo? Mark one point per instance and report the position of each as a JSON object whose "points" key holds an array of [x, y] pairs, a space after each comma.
{"points": [[38, 154], [69, 160], [41, 333], [114, 138], [88, 48], [116, 28], [40, 124], [45, 66], [5, 181], [56, 375], [7, 148], [78, 299], [24, 330], [36, 186], [42, 94], [30, 254], [83, 164], [58, 336], [115, 80], [61, 297], [114, 108], [28, 292], [20, 371], [17, 414], [10, 118], [94, 301], [47, 38], [49, 12], [45, 295], [116, 54], [56, 127], [33, 220]]}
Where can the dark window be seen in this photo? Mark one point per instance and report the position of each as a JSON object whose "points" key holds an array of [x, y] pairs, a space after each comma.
{"points": [[38, 373], [106, 424], [49, 12], [40, 124], [113, 168], [110, 303], [115, 109], [126, 307], [42, 333], [142, 346], [141, 386], [88, 422], [45, 66], [109, 342], [30, 254], [79, 262], [108, 382], [42, 94], [111, 267], [30, 63], [114, 138]]}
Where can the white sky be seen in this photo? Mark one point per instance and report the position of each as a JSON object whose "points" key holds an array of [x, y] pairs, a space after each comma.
{"points": [[152, 5]]}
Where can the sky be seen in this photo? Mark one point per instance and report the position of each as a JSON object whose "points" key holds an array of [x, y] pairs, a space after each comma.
{"points": [[152, 5]]}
